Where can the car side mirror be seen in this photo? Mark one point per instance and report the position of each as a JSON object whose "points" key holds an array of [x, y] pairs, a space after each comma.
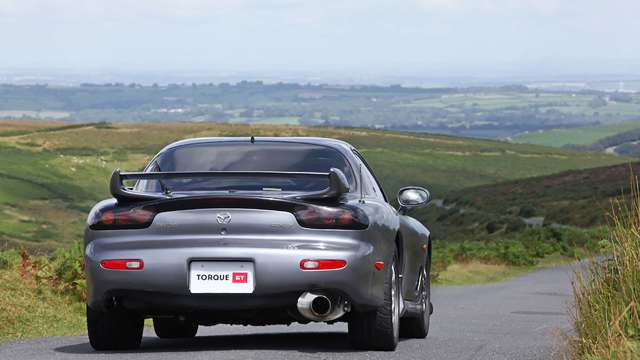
{"points": [[412, 197]]}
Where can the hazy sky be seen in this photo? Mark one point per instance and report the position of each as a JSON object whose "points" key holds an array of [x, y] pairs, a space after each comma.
{"points": [[387, 36]]}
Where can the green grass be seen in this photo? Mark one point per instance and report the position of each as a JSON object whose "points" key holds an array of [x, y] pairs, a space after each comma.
{"points": [[576, 136], [492, 101], [29, 309], [30, 306], [476, 272], [607, 295], [284, 120], [479, 272]]}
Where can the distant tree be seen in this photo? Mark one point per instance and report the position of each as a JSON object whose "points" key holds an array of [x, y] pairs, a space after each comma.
{"points": [[527, 211], [598, 101], [621, 97]]}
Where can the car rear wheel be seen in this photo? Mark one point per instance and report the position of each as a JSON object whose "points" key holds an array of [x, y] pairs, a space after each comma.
{"points": [[380, 329], [114, 329], [174, 328], [418, 326]]}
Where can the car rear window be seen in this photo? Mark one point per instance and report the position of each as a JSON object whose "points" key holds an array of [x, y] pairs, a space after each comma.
{"points": [[234, 156]]}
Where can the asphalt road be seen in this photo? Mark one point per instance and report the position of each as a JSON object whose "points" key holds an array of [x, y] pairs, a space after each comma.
{"points": [[516, 319]]}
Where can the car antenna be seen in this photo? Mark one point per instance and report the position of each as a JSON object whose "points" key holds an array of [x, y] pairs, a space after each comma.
{"points": [[253, 140]]}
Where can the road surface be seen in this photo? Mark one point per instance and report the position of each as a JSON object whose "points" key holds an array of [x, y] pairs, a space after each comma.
{"points": [[521, 318]]}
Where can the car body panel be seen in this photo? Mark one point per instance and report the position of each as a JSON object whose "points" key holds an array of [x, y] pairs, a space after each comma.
{"points": [[272, 239]]}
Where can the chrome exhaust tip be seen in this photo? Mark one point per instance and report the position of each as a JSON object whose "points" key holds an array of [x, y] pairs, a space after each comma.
{"points": [[321, 307]]}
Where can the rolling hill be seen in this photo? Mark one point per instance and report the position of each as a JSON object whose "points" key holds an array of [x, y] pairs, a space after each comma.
{"points": [[576, 198], [51, 173]]}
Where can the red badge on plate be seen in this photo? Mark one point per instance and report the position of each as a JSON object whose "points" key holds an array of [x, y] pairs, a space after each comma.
{"points": [[239, 277]]}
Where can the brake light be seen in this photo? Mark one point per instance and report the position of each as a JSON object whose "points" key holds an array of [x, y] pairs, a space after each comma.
{"points": [[322, 264], [114, 217], [324, 217], [122, 264]]}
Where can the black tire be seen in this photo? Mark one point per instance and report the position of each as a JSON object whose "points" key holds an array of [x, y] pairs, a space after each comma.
{"points": [[417, 327], [114, 329], [174, 328], [379, 329]]}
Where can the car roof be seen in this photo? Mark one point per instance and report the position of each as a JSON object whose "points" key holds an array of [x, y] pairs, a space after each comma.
{"points": [[333, 143]]}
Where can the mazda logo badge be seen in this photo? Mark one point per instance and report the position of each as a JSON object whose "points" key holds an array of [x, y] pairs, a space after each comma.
{"points": [[223, 218]]}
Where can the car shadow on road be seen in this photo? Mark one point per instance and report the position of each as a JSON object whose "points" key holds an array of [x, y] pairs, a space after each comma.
{"points": [[308, 342]]}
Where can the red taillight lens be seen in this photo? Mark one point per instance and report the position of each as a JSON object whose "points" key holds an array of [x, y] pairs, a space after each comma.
{"points": [[324, 217], [122, 264], [322, 264], [113, 218]]}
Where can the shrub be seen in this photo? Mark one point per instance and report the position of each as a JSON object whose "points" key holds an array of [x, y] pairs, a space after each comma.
{"points": [[440, 261], [8, 259], [527, 211], [62, 272], [67, 266], [607, 295]]}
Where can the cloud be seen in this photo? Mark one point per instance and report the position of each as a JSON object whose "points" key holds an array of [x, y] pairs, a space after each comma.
{"points": [[385, 33], [113, 9], [546, 7]]}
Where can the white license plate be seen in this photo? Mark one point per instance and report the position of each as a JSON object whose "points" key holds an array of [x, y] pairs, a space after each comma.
{"points": [[221, 277]]}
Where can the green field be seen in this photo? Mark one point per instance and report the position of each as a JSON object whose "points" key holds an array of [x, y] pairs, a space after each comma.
{"points": [[51, 175], [575, 136], [493, 100]]}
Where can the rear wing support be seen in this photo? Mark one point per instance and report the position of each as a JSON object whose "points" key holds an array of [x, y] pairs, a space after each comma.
{"points": [[338, 184]]}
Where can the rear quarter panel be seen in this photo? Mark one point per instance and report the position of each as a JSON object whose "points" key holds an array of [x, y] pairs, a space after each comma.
{"points": [[414, 235]]}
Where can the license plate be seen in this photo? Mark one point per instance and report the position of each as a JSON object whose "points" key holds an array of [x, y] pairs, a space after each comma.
{"points": [[221, 277]]}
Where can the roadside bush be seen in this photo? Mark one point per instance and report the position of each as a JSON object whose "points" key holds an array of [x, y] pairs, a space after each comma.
{"points": [[526, 247], [607, 292], [67, 266], [503, 251], [62, 272], [441, 258]]}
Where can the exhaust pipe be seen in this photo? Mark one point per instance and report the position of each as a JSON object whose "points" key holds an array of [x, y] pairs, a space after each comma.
{"points": [[321, 307]]}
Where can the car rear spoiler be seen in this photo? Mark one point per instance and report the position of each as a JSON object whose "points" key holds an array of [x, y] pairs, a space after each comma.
{"points": [[338, 184]]}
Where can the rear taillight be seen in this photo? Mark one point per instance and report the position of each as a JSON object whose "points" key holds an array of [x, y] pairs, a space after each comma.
{"points": [[325, 217], [122, 264], [322, 264], [117, 217]]}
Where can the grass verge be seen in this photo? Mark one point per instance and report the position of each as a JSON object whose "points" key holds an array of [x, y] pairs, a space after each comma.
{"points": [[607, 292], [478, 272], [31, 305]]}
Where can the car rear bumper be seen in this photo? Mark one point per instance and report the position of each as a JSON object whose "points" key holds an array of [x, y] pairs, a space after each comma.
{"points": [[163, 285]]}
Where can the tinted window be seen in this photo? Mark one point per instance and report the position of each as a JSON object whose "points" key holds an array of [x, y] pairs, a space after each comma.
{"points": [[371, 186], [249, 157]]}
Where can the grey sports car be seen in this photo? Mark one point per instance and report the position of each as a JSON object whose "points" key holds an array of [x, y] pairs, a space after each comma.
{"points": [[256, 231]]}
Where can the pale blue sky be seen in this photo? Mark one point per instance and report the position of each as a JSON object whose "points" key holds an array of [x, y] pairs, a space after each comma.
{"points": [[385, 36]]}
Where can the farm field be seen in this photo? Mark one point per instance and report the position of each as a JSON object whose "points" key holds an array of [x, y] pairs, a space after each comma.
{"points": [[51, 174], [575, 136]]}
